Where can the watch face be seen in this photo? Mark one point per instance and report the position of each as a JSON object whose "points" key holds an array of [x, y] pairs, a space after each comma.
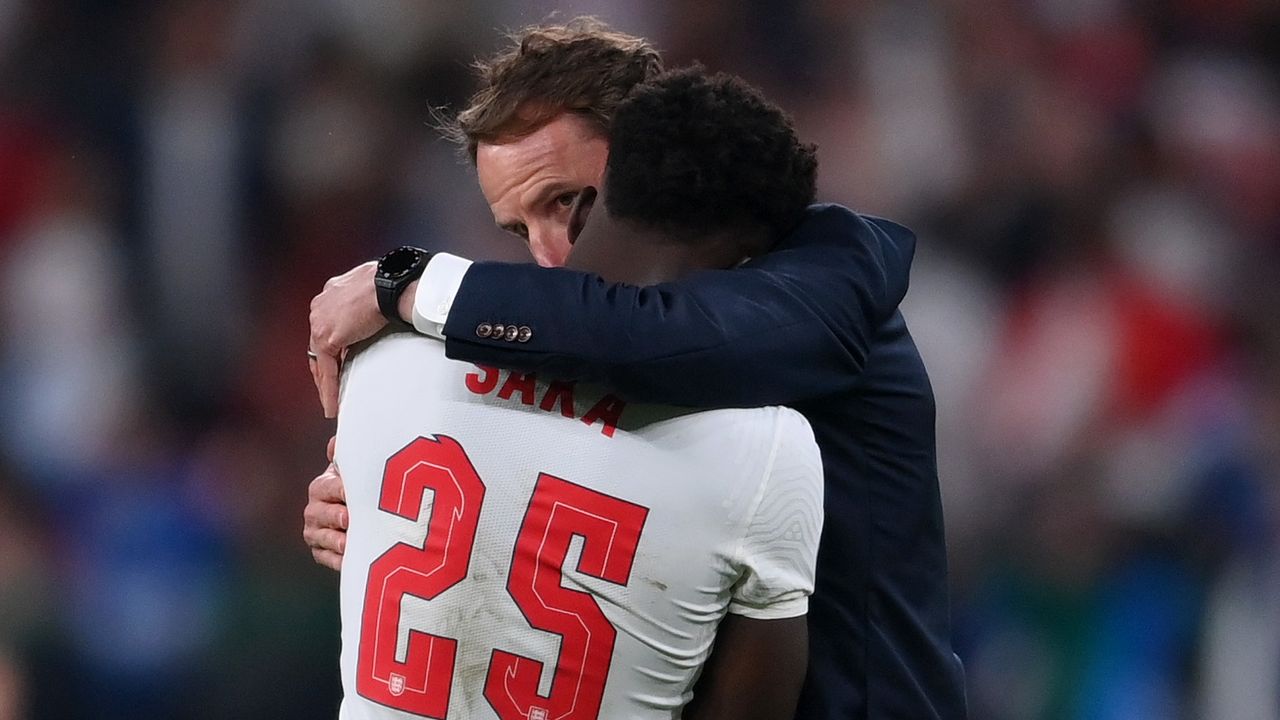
{"points": [[398, 262]]}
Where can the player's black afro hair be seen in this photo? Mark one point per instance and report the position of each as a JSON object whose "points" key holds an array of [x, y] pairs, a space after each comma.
{"points": [[691, 152]]}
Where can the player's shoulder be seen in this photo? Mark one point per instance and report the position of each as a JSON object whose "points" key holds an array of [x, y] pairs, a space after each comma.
{"points": [[789, 422], [392, 343], [794, 445], [396, 364], [391, 349], [785, 425], [758, 418], [764, 429]]}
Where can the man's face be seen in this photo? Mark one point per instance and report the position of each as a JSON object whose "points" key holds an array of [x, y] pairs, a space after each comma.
{"points": [[531, 183]]}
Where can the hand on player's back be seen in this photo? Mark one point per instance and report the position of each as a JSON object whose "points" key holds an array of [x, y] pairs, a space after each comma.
{"points": [[344, 313], [324, 521]]}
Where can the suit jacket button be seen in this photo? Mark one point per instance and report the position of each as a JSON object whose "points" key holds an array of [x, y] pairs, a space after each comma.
{"points": [[512, 332], [498, 330], [523, 334], [484, 330]]}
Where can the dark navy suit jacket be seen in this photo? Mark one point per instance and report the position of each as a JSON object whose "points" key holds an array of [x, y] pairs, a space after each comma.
{"points": [[814, 324]]}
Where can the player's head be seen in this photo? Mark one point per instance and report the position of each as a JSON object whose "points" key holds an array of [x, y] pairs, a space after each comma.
{"points": [[700, 159], [693, 154], [537, 127]]}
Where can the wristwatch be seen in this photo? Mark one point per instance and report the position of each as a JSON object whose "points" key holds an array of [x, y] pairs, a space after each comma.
{"points": [[395, 271]]}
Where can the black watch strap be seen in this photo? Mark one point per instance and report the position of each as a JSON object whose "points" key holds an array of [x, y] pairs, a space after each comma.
{"points": [[395, 271]]}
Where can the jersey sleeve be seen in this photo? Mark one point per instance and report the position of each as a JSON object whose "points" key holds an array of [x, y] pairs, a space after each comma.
{"points": [[779, 551]]}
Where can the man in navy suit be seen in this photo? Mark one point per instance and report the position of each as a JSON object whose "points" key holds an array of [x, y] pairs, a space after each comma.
{"points": [[813, 324]]}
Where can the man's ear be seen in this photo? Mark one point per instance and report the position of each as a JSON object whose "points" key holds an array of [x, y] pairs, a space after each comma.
{"points": [[582, 205]]}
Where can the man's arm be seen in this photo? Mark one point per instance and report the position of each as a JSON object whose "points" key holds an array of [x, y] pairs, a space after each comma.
{"points": [[755, 671], [793, 324], [788, 326]]}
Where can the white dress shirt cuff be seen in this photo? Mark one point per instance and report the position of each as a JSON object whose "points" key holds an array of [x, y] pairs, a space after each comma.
{"points": [[436, 289]]}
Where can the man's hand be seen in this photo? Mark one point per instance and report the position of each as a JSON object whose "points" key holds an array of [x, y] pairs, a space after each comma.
{"points": [[325, 519], [344, 313]]}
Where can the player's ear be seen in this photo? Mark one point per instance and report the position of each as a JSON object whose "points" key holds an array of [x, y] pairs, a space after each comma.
{"points": [[582, 205]]}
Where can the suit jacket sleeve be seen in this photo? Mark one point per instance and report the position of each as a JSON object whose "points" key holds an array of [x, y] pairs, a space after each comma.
{"points": [[789, 326]]}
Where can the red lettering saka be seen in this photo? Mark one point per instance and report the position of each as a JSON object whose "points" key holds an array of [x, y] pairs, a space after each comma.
{"points": [[609, 410], [523, 383], [483, 382], [561, 391]]}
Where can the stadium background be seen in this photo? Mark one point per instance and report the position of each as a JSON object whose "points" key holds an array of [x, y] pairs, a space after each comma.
{"points": [[1095, 183]]}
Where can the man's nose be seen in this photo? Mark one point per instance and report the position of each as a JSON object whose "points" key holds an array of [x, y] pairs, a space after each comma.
{"points": [[550, 247]]}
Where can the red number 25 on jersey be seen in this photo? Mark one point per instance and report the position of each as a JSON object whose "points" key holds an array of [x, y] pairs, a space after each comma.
{"points": [[558, 510]]}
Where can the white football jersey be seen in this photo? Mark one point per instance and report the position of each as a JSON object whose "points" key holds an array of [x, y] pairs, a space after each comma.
{"points": [[543, 550]]}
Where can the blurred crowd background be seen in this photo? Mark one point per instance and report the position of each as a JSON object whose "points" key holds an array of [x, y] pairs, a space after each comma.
{"points": [[1095, 184]]}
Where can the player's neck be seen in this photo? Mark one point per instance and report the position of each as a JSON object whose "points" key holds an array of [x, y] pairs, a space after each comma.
{"points": [[638, 256]]}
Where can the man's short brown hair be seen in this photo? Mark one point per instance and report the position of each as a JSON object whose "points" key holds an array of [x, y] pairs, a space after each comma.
{"points": [[583, 67]]}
